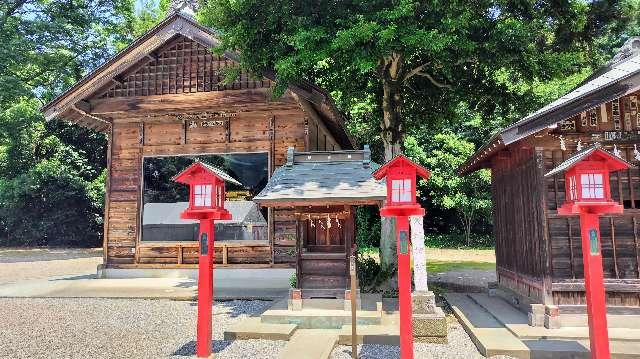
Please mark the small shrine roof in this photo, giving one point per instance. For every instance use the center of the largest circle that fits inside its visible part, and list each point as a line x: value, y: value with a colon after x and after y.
x: 319, y: 178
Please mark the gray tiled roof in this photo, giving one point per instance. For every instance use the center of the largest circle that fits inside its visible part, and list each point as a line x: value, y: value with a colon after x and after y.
x: 609, y: 75
x: 336, y: 177
x: 169, y: 213
x: 618, y: 78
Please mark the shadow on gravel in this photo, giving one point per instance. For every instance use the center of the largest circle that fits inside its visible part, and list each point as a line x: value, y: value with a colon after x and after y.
x: 189, y: 349
x: 239, y: 307
x: 75, y: 277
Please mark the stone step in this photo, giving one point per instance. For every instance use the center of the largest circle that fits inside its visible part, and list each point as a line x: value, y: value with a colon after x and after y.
x: 254, y: 328
x: 371, y: 334
x: 319, y: 318
x: 310, y: 344
x: 487, y: 333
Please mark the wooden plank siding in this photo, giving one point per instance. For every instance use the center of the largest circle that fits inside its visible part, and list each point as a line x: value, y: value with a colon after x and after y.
x: 151, y: 108
x: 519, y: 236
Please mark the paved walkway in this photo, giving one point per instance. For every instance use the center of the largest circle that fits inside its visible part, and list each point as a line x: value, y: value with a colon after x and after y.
x: 466, y: 280
x: 70, y: 273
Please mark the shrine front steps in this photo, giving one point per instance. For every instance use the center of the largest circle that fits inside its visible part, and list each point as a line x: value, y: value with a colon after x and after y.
x: 497, y: 328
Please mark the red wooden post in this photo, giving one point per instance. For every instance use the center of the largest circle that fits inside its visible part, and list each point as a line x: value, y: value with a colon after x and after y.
x: 588, y: 195
x: 594, y: 285
x: 404, y: 287
x: 206, y: 203
x: 400, y: 174
x: 205, y: 289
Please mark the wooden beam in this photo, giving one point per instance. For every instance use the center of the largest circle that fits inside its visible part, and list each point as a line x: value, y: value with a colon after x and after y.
x: 226, y: 100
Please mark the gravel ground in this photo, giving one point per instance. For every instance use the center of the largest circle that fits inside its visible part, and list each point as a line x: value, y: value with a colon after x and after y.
x: 108, y: 328
x: 111, y: 328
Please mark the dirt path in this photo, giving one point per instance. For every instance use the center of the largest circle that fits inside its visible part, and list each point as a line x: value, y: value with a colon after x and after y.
x: 24, y: 264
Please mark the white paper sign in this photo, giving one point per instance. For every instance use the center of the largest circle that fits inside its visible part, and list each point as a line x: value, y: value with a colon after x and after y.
x: 419, y: 255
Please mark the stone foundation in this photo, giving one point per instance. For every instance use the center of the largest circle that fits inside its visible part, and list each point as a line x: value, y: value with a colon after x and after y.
x: 429, y: 321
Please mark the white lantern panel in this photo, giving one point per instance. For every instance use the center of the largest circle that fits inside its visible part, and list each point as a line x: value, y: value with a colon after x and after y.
x: 592, y: 185
x: 202, y: 196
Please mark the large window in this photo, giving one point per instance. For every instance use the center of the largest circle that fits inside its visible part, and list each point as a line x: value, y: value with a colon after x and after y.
x: 164, y: 199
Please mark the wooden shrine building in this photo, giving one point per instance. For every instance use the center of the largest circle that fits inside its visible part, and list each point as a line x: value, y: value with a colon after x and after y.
x: 164, y: 98
x: 538, y: 252
x: 323, y: 188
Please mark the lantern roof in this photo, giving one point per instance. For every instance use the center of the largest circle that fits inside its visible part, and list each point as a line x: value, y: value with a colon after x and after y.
x: 401, y: 161
x: 185, y: 176
x: 595, y: 152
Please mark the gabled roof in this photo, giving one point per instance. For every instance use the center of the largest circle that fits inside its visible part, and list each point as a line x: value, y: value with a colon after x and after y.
x: 70, y: 103
x: 401, y: 160
x: 180, y: 177
x: 319, y: 178
x: 618, y: 78
x: 615, y: 163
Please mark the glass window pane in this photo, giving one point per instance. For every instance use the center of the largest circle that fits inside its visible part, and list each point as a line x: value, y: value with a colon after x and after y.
x: 407, y: 185
x: 197, y: 200
x: 406, y: 196
x: 599, y: 193
x: 395, y: 195
x: 396, y: 184
x: 584, y: 178
x: 198, y: 189
x: 597, y: 179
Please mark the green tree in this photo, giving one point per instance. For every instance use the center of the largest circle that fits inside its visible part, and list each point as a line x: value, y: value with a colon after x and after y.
x: 405, y: 47
x: 469, y: 196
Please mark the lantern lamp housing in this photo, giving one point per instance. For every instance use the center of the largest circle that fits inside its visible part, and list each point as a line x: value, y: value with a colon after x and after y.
x: 586, y: 175
x: 206, y: 191
x: 401, y: 175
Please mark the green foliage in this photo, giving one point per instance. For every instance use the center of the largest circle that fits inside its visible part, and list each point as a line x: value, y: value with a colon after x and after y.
x: 367, y: 227
x: 458, y: 240
x: 293, y: 281
x: 469, y: 196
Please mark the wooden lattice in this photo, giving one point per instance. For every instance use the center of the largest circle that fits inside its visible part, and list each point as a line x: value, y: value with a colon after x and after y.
x: 181, y: 66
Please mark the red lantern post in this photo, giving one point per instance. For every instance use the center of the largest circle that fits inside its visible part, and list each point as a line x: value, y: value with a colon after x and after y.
x: 206, y: 203
x: 401, y: 174
x: 588, y: 195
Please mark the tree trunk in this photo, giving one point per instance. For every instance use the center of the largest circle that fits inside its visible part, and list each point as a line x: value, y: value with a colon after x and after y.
x: 391, y: 73
x: 392, y: 129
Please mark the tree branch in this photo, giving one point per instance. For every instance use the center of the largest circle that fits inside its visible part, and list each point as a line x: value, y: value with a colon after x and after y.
x: 413, y: 72
x: 435, y: 82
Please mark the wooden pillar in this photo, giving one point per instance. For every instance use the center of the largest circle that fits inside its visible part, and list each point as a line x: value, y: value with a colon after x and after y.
x: 543, y: 231
x: 107, y: 195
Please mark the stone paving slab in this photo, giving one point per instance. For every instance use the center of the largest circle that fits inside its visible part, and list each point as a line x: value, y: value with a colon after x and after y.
x: 490, y: 336
x: 310, y: 344
x: 253, y: 328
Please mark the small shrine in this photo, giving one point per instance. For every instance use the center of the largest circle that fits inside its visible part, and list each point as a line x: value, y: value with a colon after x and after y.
x: 323, y: 188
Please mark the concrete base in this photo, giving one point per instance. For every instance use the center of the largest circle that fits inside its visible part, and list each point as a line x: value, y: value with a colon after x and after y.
x: 229, y: 283
x: 132, y: 273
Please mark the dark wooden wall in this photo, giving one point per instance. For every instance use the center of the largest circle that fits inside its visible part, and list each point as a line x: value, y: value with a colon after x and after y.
x: 519, y: 221
x: 530, y: 233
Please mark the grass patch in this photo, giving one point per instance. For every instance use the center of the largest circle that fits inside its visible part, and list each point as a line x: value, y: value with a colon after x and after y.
x: 440, y: 266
